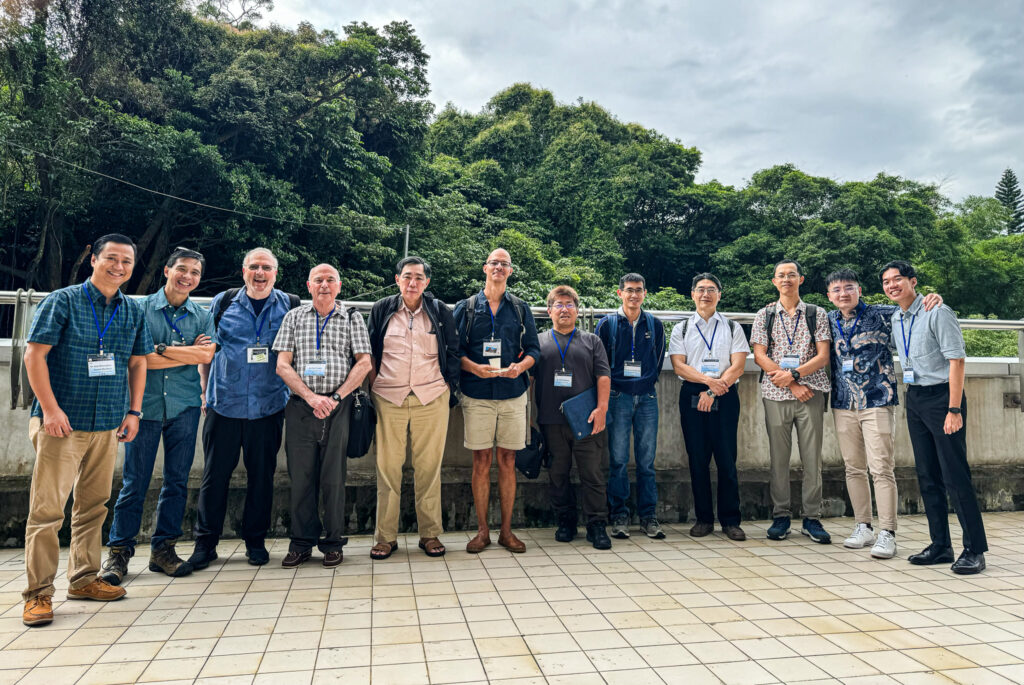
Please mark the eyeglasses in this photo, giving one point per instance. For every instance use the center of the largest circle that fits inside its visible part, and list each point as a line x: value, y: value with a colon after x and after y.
x: 633, y: 291
x: 261, y: 267
x: 494, y: 263
x: 844, y: 289
x: 791, y: 276
x: 705, y: 291
x: 567, y: 306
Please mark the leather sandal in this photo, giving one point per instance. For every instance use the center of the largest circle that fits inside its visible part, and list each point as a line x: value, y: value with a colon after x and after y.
x: 432, y: 547
x: 383, y: 550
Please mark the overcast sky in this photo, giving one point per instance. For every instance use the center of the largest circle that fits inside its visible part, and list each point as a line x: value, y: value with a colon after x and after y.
x: 928, y: 90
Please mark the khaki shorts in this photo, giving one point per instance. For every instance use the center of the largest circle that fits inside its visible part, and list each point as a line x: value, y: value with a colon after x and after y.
x: 494, y: 421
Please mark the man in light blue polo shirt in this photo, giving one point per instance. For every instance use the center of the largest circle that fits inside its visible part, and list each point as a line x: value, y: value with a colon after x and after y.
x: 182, y: 332
x: 932, y: 355
x: 245, y: 401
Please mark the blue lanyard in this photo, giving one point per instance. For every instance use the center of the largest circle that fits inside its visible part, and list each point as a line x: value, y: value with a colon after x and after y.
x: 713, y: 333
x: 796, y: 324
x: 906, y: 337
x: 319, y: 329
x: 172, y: 323
x: 262, y: 319
x: 488, y: 305
x: 853, y: 330
x: 96, y: 319
x: 567, y: 343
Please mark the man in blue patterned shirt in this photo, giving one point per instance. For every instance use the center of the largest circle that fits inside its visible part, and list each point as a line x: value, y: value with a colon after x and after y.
x: 87, y: 367
x: 864, y: 407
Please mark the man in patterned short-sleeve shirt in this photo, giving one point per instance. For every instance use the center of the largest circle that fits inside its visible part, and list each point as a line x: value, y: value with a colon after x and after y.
x: 314, y: 348
x: 793, y: 388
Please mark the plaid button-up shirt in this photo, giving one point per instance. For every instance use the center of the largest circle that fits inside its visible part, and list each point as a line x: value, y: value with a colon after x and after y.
x: 65, y: 321
x: 343, y: 336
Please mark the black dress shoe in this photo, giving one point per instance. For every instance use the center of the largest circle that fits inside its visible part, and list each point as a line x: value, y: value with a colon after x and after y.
x: 932, y: 554
x: 598, y: 536
x: 969, y: 563
x: 293, y: 559
x: 257, y: 556
x: 202, y: 557
x: 566, y: 532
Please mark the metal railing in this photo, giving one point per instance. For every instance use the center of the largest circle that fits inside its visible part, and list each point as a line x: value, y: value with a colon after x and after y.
x: 24, y: 302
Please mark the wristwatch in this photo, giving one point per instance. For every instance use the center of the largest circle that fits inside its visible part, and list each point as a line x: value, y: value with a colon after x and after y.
x: 161, y: 348
x: 336, y: 397
x: 135, y: 413
x: 710, y: 392
x: 795, y: 373
x: 954, y: 410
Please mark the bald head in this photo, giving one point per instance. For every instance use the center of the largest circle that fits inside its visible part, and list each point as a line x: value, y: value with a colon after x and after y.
x: 498, y: 268
x: 324, y: 284
x: 324, y: 268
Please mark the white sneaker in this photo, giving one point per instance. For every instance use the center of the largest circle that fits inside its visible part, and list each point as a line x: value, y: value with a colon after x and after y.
x: 862, y: 536
x: 885, y: 547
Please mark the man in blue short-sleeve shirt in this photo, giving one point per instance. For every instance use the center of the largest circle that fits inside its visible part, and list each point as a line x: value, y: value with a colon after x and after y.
x: 85, y: 359
x: 182, y: 331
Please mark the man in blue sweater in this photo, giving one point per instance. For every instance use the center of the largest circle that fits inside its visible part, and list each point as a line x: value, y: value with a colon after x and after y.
x: 635, y: 342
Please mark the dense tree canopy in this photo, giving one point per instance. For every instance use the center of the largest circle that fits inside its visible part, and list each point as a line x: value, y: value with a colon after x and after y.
x: 324, y: 147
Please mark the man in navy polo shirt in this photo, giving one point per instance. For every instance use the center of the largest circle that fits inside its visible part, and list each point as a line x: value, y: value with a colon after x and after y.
x: 87, y: 367
x: 635, y: 342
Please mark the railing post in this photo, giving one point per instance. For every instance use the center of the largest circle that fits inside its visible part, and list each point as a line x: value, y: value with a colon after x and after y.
x: 1020, y: 364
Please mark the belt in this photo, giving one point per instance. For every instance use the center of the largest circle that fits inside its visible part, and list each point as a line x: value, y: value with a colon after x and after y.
x: 929, y: 389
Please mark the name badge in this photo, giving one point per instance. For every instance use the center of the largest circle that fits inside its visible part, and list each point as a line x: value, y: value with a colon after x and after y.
x: 257, y: 354
x: 908, y: 375
x: 100, y: 365
x: 318, y: 368
x: 790, y: 361
x: 847, y: 365
x: 563, y: 379
x: 631, y: 369
x: 492, y: 348
x: 711, y: 367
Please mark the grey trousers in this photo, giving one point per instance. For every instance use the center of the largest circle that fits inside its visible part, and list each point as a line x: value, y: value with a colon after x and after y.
x: 780, y: 417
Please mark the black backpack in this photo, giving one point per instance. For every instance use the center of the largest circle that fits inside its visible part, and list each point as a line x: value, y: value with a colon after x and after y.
x: 516, y: 302
x: 229, y: 297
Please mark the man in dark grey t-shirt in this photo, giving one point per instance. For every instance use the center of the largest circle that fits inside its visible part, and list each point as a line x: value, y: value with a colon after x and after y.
x: 571, y: 362
x: 932, y: 354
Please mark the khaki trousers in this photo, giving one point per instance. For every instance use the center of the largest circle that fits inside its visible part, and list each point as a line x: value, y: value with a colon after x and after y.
x: 867, y: 440
x: 424, y: 427
x: 81, y: 463
x: 780, y: 418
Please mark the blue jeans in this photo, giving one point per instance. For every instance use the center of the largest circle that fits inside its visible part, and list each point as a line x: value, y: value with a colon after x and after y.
x: 139, y: 457
x: 637, y: 414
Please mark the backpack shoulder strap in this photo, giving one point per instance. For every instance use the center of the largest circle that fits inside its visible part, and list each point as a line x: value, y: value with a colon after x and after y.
x: 293, y: 301
x: 470, y: 313
x: 613, y: 336
x: 769, y: 323
x: 223, y: 305
x: 812, y: 321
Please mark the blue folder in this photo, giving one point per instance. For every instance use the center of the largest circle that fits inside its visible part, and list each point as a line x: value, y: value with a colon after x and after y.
x: 577, y: 410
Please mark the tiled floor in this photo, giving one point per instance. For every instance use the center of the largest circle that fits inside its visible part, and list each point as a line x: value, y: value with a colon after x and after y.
x: 674, y: 611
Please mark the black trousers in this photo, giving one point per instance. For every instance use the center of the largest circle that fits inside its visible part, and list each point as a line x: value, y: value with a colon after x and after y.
x: 707, y: 435
x: 589, y: 454
x: 942, y: 467
x: 258, y: 440
x: 316, y: 466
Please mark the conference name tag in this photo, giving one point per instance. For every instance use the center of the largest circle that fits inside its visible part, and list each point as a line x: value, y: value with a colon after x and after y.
x: 492, y: 348
x: 257, y: 354
x: 318, y: 368
x: 908, y: 375
x: 790, y: 361
x: 631, y: 369
x: 847, y: 365
x: 563, y: 379
x: 100, y: 365
x: 711, y: 367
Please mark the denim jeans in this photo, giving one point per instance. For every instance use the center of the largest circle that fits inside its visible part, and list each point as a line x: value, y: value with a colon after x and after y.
x: 637, y: 414
x: 179, y: 436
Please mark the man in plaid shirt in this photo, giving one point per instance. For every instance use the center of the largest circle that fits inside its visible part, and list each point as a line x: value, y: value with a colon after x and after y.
x: 315, y: 347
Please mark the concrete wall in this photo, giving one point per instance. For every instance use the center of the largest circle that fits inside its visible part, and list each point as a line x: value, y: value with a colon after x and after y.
x: 995, y: 436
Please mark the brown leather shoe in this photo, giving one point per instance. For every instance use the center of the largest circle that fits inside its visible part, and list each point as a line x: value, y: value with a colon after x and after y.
x: 332, y: 559
x: 512, y: 543
x: 734, y: 533
x: 165, y: 560
x: 479, y: 543
x: 38, y: 611
x: 293, y: 559
x: 99, y: 590
x: 701, y: 528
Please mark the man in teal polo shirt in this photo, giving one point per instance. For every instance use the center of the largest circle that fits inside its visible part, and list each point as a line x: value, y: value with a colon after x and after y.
x: 87, y: 367
x: 182, y: 331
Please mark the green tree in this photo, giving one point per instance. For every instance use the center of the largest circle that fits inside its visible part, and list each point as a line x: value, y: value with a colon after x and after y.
x: 1009, y: 195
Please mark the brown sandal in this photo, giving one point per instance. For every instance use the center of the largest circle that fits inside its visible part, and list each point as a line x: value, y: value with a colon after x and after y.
x: 383, y: 550
x: 432, y: 547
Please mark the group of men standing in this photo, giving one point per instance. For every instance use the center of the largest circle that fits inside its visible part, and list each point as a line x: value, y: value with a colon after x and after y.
x: 105, y: 368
